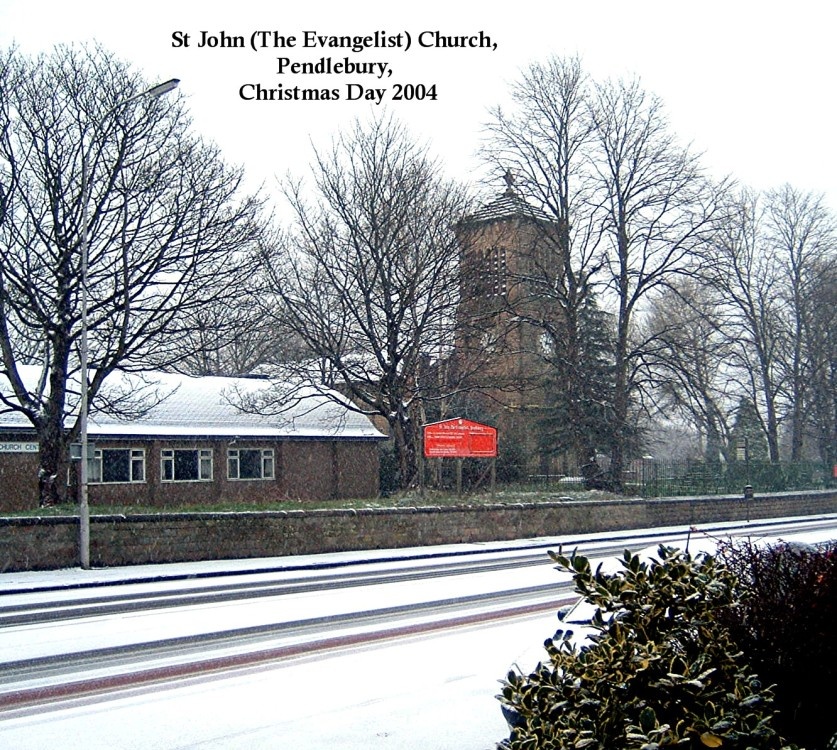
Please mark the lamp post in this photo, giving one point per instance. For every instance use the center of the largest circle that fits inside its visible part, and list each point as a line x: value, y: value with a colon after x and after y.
x: 83, y: 506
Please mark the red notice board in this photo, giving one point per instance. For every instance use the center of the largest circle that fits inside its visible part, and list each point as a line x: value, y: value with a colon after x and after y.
x: 459, y: 438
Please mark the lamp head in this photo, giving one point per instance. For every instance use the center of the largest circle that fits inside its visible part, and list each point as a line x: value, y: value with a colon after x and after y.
x: 162, y: 89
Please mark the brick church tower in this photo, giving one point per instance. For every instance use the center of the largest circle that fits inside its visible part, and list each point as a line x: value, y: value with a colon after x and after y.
x: 508, y: 257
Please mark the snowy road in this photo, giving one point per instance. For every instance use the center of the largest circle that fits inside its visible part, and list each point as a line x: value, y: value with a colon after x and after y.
x: 383, y: 649
x: 423, y: 692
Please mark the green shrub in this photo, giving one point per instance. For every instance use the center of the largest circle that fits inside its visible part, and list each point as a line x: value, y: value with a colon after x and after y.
x: 659, y: 670
x: 388, y: 478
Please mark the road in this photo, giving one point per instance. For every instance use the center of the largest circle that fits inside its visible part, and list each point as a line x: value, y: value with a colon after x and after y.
x: 383, y: 649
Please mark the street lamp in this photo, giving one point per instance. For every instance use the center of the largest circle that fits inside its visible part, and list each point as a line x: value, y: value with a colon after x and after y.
x: 84, y: 508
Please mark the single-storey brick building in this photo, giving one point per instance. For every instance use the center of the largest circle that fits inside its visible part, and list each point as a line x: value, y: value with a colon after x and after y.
x: 207, y: 440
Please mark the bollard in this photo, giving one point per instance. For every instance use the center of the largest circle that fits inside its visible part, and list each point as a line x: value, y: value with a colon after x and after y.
x: 748, y: 496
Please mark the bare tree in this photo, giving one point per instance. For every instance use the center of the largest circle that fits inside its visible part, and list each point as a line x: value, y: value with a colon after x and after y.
x: 749, y: 284
x: 9, y: 74
x: 231, y: 340
x: 765, y: 264
x: 234, y: 337
x: 632, y: 209
x: 168, y: 230
x: 545, y: 142
x: 801, y: 234
x: 821, y: 344
x: 689, y: 362
x: 368, y: 276
x: 632, y: 221
x: 656, y: 209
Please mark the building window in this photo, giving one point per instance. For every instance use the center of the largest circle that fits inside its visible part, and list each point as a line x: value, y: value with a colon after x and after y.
x: 250, y: 463
x: 115, y: 465
x: 178, y: 465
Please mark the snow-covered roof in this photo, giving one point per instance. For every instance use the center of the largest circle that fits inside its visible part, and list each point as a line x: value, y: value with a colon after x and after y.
x: 174, y: 405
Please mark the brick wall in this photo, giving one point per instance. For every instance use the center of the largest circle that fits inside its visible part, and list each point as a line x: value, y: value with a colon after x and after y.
x: 46, y: 543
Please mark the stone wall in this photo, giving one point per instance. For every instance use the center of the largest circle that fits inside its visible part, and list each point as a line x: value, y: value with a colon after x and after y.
x: 47, y: 543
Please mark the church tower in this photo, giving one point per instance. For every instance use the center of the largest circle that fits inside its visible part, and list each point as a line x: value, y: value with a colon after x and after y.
x: 508, y: 258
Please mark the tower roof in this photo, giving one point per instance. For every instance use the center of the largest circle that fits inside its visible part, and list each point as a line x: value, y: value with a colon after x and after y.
x: 507, y: 206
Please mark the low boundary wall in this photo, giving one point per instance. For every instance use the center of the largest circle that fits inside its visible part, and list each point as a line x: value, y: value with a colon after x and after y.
x: 43, y: 543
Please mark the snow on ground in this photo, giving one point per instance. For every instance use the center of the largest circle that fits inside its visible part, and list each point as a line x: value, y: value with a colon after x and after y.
x: 430, y: 692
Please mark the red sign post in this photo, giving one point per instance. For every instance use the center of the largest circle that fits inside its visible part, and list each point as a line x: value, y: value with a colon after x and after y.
x: 459, y: 439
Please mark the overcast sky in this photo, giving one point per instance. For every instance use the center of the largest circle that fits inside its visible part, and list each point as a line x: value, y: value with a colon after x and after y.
x: 750, y: 84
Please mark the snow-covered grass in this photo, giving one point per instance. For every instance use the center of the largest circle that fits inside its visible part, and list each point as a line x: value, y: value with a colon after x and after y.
x: 410, y: 498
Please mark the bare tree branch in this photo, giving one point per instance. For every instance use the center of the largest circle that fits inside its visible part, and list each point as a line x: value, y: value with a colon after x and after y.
x: 169, y: 232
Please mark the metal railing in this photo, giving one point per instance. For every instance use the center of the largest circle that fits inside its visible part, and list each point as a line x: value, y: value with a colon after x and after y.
x: 652, y: 478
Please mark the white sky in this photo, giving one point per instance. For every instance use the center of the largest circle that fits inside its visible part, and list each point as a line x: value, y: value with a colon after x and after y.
x: 748, y: 83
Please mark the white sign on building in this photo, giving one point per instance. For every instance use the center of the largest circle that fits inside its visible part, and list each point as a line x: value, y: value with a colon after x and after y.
x: 18, y: 447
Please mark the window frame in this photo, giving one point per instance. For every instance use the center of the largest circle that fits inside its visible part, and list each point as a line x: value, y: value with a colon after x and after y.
x: 205, y: 462
x: 136, y: 458
x: 266, y: 459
